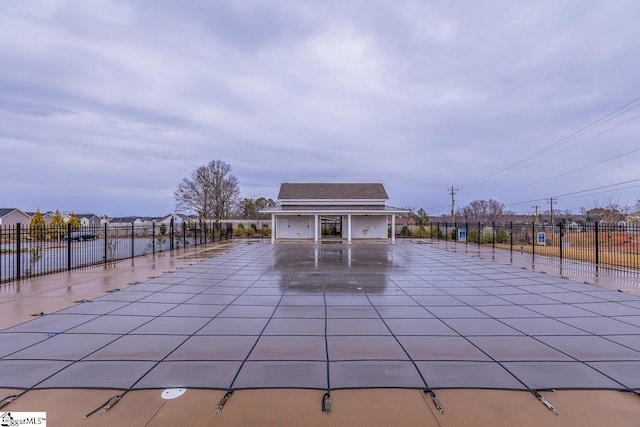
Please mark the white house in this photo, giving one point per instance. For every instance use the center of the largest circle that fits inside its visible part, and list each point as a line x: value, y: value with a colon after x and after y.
x: 89, y: 220
x: 126, y: 221
x: 332, y: 210
x: 178, y: 219
x: 12, y: 216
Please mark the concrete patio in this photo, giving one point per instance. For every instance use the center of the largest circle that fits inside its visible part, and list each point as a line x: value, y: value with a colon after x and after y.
x: 373, y: 324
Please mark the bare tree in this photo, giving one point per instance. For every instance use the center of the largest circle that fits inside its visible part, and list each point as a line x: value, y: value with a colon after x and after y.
x: 483, y: 211
x: 211, y: 192
x: 634, y: 215
x: 608, y: 211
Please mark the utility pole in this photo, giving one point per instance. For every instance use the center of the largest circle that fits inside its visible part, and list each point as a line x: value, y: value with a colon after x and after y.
x: 452, y: 192
x: 551, y: 200
x: 536, y: 207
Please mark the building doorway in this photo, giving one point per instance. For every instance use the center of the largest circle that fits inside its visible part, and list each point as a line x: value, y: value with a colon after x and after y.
x: 331, y: 226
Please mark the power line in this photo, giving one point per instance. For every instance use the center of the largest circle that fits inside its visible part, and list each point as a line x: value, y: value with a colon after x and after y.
x: 599, y: 188
x: 593, y: 125
x: 581, y: 192
x: 603, y: 192
x: 567, y: 173
x: 581, y: 142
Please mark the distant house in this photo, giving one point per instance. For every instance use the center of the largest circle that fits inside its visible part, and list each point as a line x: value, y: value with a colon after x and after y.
x: 573, y: 225
x: 89, y: 220
x: 336, y: 210
x: 178, y: 219
x: 13, y: 216
x: 48, y: 216
x: 125, y: 221
x: 405, y: 220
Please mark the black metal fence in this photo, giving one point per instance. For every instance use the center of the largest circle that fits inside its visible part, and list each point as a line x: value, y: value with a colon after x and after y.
x: 607, y: 245
x: 28, y: 252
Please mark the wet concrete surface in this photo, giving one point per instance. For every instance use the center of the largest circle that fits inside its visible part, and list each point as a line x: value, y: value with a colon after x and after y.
x: 328, y: 317
x: 616, y: 278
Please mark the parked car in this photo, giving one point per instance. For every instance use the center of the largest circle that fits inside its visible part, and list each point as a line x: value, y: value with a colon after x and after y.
x: 82, y: 235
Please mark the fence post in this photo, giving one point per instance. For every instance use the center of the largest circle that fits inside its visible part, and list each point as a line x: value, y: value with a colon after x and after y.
x: 153, y: 237
x: 511, y: 238
x: 184, y: 235
x: 18, y: 251
x: 204, y: 232
x: 132, y: 242
x: 105, y: 245
x: 69, y: 246
x: 561, y: 232
x: 171, y: 235
x: 479, y: 236
x: 466, y: 240
x: 493, y: 235
x: 533, y: 241
x: 597, y: 244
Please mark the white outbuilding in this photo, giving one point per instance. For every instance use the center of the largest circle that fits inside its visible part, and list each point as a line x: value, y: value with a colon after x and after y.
x: 332, y: 211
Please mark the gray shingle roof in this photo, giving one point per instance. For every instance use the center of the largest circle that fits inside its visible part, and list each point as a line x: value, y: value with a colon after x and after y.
x: 332, y: 191
x: 6, y: 211
x: 336, y: 208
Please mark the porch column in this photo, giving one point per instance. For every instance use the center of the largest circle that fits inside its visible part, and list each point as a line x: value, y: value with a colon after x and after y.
x: 393, y: 228
x: 349, y: 228
x: 273, y: 228
x: 315, y: 228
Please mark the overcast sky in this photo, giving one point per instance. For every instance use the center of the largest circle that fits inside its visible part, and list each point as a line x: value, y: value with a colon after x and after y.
x: 105, y: 106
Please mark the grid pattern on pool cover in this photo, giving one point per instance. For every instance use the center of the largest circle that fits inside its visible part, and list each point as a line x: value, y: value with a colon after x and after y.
x: 333, y: 316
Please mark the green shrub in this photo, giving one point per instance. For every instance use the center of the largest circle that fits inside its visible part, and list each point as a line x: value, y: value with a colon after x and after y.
x: 502, y: 236
x: 420, y: 232
x: 472, y: 236
x: 239, y: 231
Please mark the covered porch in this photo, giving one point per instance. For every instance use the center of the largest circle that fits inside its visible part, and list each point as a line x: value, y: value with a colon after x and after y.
x: 333, y: 224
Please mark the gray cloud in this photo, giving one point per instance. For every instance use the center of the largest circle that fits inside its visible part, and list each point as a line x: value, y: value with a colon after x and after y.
x: 107, y: 105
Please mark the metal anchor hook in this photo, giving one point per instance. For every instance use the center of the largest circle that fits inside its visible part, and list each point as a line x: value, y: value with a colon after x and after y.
x: 104, y: 408
x: 439, y: 406
x: 326, y: 404
x: 222, y: 402
x: 110, y: 404
x: 546, y: 403
x: 8, y: 400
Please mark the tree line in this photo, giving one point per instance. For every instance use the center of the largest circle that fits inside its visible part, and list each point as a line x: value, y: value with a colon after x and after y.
x: 38, y: 228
